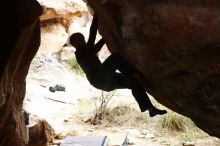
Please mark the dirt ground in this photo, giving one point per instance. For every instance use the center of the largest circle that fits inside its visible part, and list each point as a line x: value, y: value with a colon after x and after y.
x: 138, y: 137
x: 149, y: 134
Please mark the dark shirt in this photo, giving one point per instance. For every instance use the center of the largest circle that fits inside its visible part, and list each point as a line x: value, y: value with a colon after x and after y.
x: 89, y: 62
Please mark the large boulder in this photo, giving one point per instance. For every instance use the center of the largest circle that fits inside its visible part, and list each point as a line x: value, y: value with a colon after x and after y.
x: 40, y: 131
x: 176, y: 45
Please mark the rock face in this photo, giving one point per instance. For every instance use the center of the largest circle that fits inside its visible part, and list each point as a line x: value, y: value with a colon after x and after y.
x: 41, y: 133
x: 18, y: 46
x: 57, y: 20
x: 176, y: 45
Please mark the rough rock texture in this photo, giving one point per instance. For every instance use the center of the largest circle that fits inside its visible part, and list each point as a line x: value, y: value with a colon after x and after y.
x: 176, y: 45
x: 40, y: 132
x: 53, y: 38
x: 20, y: 41
x: 59, y: 19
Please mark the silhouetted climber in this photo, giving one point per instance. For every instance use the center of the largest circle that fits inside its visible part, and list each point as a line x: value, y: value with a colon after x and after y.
x: 103, y: 75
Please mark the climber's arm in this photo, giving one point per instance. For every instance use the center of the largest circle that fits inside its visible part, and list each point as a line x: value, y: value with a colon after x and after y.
x: 98, y: 46
x: 93, y: 31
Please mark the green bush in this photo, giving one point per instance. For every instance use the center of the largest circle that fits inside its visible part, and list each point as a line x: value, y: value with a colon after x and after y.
x: 75, y: 66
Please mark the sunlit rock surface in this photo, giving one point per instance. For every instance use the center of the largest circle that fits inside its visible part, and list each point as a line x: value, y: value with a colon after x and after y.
x: 57, y: 21
x: 176, y: 45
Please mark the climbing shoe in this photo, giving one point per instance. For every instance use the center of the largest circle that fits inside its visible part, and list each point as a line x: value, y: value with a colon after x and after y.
x: 154, y: 111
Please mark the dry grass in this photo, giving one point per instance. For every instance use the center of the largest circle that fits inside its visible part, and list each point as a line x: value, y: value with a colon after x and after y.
x: 175, y: 122
x: 106, y: 115
x: 181, y: 126
x: 122, y: 116
x: 127, y: 116
x: 99, y: 111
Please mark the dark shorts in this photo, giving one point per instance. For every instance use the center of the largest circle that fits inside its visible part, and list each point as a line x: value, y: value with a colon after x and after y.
x: 101, y: 80
x: 110, y: 81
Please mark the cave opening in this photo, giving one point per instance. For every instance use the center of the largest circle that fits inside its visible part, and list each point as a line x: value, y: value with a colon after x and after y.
x: 59, y: 102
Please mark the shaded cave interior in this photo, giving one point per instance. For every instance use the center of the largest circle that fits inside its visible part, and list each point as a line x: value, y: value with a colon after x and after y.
x: 19, y: 47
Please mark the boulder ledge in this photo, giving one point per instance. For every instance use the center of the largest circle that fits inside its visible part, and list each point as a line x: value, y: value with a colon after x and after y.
x: 176, y: 45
